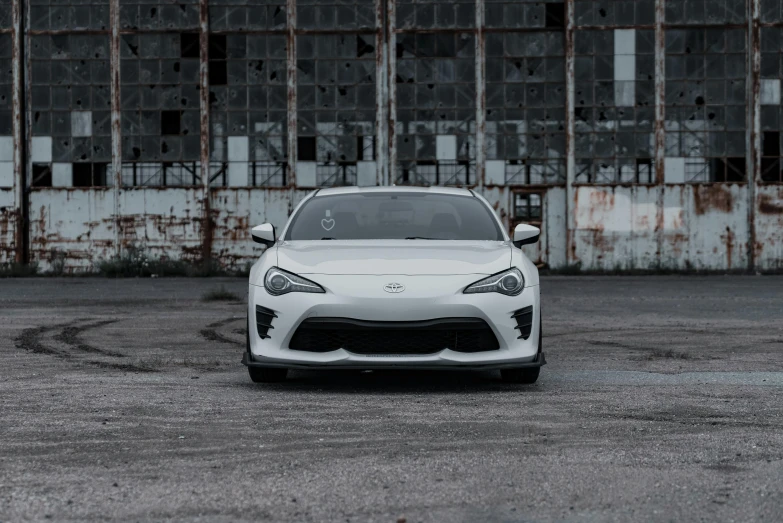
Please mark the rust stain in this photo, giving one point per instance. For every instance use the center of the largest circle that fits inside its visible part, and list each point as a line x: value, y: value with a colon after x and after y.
x: 716, y: 197
x: 728, y: 240
x: 769, y: 206
x: 601, y: 242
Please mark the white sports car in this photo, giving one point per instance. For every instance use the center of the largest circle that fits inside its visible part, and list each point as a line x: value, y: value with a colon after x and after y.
x: 394, y: 278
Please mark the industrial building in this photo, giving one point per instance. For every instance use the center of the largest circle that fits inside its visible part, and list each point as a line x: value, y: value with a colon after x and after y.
x: 638, y: 134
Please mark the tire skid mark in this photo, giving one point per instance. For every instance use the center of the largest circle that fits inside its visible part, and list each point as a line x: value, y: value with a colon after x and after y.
x: 211, y: 333
x: 30, y: 339
x: 69, y: 335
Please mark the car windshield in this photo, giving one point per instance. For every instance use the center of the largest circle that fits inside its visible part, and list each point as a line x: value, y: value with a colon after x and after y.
x: 394, y: 216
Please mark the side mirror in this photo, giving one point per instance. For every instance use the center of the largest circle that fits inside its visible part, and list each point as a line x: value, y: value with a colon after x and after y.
x: 264, y: 234
x: 525, y: 234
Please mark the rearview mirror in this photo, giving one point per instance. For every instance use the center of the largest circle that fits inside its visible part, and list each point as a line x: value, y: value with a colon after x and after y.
x: 264, y: 234
x: 525, y: 234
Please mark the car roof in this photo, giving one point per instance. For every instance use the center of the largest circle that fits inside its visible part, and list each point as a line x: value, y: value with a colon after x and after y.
x: 394, y: 189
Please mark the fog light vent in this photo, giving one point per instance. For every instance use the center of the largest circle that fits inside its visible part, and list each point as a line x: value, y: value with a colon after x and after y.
x: 264, y: 318
x: 524, y: 319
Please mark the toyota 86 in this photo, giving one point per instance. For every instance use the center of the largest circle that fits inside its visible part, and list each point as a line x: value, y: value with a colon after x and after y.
x: 394, y: 278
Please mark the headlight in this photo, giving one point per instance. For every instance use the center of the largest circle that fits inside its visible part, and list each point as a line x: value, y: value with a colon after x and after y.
x: 510, y: 283
x: 277, y: 282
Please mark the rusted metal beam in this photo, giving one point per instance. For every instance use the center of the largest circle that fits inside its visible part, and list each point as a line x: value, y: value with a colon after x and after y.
x: 481, y: 96
x: 116, y: 127
x: 660, y: 125
x: 391, y: 31
x: 203, y: 78
x: 570, y: 205
x: 391, y: 72
x: 20, y: 222
x: 381, y: 96
x: 291, y: 131
x: 27, y: 159
x: 754, y: 123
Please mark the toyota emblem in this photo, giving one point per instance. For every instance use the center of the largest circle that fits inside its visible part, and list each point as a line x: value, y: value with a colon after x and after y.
x: 394, y: 287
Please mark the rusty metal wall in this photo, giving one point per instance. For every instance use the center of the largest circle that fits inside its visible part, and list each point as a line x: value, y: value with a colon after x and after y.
x: 671, y: 159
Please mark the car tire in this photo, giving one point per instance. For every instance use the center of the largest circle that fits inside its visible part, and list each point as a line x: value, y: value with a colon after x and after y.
x: 526, y: 376
x: 267, y: 374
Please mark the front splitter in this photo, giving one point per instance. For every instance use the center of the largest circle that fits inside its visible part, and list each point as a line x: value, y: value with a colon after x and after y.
x: 538, y: 361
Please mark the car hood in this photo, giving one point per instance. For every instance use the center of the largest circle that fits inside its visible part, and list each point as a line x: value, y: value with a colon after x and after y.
x: 423, y: 257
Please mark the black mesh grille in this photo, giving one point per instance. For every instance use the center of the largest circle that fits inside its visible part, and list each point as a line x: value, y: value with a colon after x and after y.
x: 264, y: 318
x: 524, y: 319
x: 369, y: 337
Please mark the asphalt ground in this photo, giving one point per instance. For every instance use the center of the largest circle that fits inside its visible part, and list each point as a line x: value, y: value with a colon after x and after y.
x: 662, y: 400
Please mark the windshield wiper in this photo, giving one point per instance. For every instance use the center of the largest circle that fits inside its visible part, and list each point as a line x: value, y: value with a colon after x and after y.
x: 420, y: 238
x: 328, y: 238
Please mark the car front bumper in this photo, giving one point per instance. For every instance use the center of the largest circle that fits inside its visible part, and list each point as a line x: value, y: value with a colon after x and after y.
x: 425, y: 297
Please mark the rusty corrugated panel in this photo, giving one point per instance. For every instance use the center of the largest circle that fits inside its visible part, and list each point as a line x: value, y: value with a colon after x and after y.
x: 116, y: 127
x: 291, y: 131
x: 660, y: 123
x: 481, y: 95
x: 18, y: 219
x: 571, y: 195
x: 206, y: 206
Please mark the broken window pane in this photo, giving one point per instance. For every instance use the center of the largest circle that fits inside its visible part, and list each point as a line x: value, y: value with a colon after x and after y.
x: 614, y: 106
x: 705, y: 105
x: 614, y: 12
x: 336, y: 102
x: 159, y: 101
x: 5, y: 85
x: 345, y: 15
x: 70, y: 101
x: 706, y: 12
x: 158, y: 15
x: 240, y: 15
x: 771, y: 57
x: 436, y: 108
x: 525, y: 76
x: 436, y: 14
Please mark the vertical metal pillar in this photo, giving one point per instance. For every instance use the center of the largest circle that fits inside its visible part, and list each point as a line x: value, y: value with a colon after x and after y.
x: 754, y: 124
x: 381, y: 97
x: 20, y: 225
x: 291, y: 131
x: 206, y: 194
x: 116, y: 128
x: 660, y: 126
x: 481, y: 96
x: 391, y: 73
x: 570, y: 207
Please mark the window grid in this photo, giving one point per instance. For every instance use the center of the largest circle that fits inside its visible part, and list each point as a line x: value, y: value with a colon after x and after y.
x: 436, y: 97
x: 336, y: 102
x: 706, y: 103
x: 614, y: 107
x: 525, y: 77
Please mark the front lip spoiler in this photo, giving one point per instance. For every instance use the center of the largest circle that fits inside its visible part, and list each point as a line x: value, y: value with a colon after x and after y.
x: 538, y: 361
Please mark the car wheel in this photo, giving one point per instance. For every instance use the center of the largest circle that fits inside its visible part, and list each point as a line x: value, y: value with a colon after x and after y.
x: 526, y: 376
x: 267, y: 374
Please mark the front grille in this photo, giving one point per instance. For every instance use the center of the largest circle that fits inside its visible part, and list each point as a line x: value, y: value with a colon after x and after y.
x: 524, y: 319
x: 413, y: 337
x: 264, y: 318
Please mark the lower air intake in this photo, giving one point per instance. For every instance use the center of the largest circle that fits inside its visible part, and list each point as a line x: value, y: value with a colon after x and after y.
x: 415, y: 337
x: 524, y: 319
x: 264, y: 318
